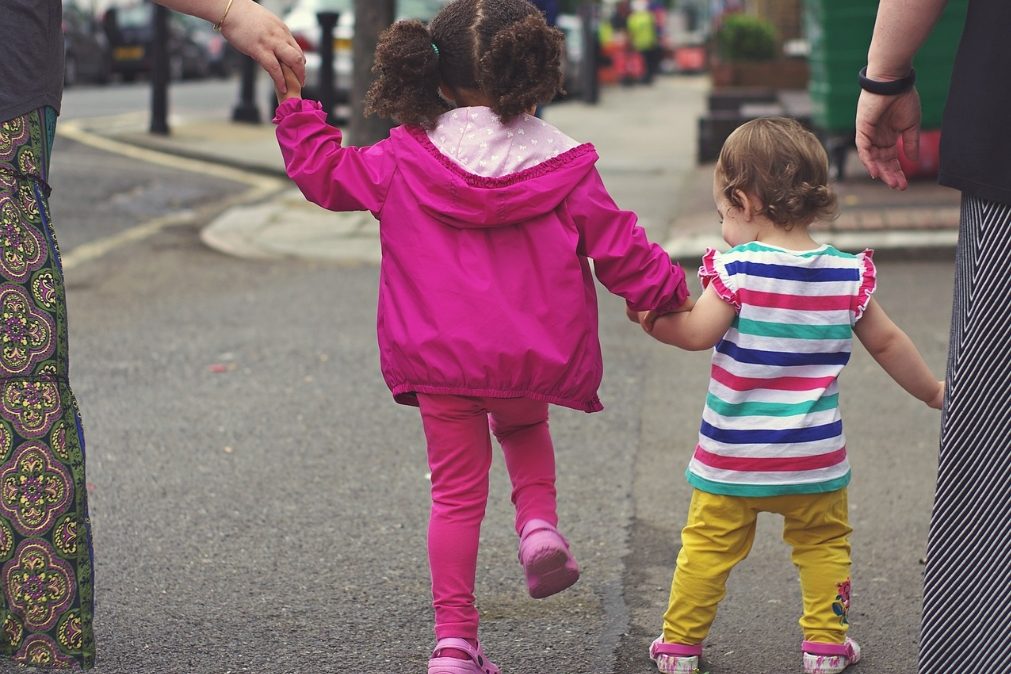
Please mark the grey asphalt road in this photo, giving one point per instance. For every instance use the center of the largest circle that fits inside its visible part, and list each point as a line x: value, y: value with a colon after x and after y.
x: 97, y: 195
x: 259, y: 502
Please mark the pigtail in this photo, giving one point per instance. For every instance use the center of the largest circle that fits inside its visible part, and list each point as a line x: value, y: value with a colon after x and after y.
x: 406, y: 67
x: 522, y: 66
x: 801, y: 202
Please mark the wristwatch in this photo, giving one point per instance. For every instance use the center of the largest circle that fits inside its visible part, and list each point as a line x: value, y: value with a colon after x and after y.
x: 893, y: 88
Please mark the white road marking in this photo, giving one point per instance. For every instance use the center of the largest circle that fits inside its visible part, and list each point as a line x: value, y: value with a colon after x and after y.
x: 260, y: 187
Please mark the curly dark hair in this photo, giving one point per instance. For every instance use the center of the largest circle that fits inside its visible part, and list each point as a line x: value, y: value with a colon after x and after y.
x: 784, y: 165
x: 503, y: 49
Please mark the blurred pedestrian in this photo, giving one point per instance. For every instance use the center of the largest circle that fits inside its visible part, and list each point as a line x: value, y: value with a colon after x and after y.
x: 644, y: 37
x: 781, y: 311
x: 549, y: 8
x: 965, y: 622
x: 47, y: 575
x: 488, y: 220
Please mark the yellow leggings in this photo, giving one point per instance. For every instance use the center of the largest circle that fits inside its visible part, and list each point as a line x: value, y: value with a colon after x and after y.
x: 719, y: 534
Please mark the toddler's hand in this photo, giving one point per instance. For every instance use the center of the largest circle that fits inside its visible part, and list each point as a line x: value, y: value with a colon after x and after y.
x: 938, y: 398
x: 291, y: 81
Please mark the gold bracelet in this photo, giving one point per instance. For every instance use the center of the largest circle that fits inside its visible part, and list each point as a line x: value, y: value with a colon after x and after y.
x: 221, y: 21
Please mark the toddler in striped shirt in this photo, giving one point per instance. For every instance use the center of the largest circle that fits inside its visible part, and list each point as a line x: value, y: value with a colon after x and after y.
x: 781, y: 311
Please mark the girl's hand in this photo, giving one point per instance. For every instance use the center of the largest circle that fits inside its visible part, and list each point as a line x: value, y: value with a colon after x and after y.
x: 647, y: 319
x: 938, y: 398
x: 688, y: 305
x: 293, y: 86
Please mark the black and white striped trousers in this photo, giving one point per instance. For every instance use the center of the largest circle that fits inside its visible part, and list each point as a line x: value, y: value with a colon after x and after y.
x: 966, y: 624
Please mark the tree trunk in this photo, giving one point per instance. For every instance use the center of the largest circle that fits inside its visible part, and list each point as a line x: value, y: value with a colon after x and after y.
x: 371, y: 18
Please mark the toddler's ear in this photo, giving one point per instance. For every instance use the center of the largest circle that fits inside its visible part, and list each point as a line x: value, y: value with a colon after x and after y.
x: 751, y: 205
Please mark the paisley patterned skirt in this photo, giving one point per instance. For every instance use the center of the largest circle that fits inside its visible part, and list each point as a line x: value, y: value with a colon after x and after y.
x: 46, y: 569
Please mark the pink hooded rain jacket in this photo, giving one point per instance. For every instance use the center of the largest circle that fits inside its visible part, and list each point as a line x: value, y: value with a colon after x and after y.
x: 485, y: 284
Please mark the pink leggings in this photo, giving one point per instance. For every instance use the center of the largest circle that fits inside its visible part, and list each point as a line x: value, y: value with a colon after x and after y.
x: 459, y: 454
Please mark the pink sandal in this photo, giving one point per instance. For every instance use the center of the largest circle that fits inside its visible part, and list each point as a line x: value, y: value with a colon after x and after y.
x: 477, y: 664
x: 546, y: 560
x: 823, y: 658
x: 675, y: 658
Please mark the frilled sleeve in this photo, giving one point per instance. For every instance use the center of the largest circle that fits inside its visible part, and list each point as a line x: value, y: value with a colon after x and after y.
x: 337, y: 178
x: 868, y: 284
x: 714, y: 272
x: 624, y: 260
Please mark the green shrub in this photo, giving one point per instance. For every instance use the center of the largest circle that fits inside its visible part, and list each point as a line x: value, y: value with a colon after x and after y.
x: 746, y: 38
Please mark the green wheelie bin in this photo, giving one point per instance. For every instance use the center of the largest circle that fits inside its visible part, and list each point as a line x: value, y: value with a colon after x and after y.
x: 839, y: 34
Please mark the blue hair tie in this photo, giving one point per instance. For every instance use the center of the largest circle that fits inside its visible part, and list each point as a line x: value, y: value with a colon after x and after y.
x: 435, y: 49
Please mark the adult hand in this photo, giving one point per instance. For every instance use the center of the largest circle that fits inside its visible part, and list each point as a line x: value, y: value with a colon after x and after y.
x: 881, y: 121
x: 261, y: 35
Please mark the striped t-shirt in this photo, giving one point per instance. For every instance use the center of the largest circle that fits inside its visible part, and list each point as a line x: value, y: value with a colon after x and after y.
x: 771, y: 423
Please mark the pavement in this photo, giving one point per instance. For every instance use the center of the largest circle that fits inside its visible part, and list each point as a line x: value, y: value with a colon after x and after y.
x: 645, y: 136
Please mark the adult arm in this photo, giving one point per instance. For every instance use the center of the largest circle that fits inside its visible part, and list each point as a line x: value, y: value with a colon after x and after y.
x: 901, y: 27
x: 253, y: 30
x: 897, y: 355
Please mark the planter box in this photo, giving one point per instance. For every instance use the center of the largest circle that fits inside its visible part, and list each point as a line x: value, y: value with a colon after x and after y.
x: 778, y: 74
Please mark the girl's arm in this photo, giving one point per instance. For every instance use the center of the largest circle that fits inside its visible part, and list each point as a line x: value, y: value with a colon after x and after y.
x: 895, y: 352
x: 701, y: 328
x: 624, y: 259
x: 337, y: 178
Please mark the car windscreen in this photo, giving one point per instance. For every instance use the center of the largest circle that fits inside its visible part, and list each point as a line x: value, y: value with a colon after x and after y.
x: 134, y: 17
x: 418, y: 9
x: 329, y: 5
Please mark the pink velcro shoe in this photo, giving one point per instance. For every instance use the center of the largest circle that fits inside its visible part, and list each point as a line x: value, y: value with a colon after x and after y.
x: 476, y: 664
x: 546, y: 560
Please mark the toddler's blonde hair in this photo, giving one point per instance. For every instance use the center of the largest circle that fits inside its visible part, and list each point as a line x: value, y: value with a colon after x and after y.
x: 783, y: 164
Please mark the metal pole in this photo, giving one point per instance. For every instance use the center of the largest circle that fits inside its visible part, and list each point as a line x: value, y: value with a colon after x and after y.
x: 159, y: 72
x: 591, y: 52
x: 245, y: 109
x: 327, y: 81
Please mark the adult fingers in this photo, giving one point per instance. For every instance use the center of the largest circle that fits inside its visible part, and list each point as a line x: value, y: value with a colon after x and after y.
x: 269, y: 62
x: 291, y: 55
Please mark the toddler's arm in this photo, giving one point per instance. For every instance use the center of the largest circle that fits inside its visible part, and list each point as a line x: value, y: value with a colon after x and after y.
x: 897, y: 354
x: 700, y: 328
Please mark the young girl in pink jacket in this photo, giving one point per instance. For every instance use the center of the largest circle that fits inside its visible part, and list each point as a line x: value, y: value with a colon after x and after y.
x: 488, y: 220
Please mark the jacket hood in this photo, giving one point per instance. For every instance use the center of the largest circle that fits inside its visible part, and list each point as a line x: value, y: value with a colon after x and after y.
x: 487, y: 176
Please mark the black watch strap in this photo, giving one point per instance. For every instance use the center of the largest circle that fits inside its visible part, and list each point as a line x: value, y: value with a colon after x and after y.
x: 893, y: 88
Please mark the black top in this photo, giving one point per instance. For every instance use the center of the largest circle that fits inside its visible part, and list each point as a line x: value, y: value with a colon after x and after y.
x: 31, y: 56
x: 976, y: 132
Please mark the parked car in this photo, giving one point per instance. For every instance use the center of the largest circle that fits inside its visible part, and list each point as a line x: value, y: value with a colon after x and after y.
x: 304, y: 26
x: 85, y: 46
x: 130, y: 30
x: 222, y: 58
x: 574, y: 60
